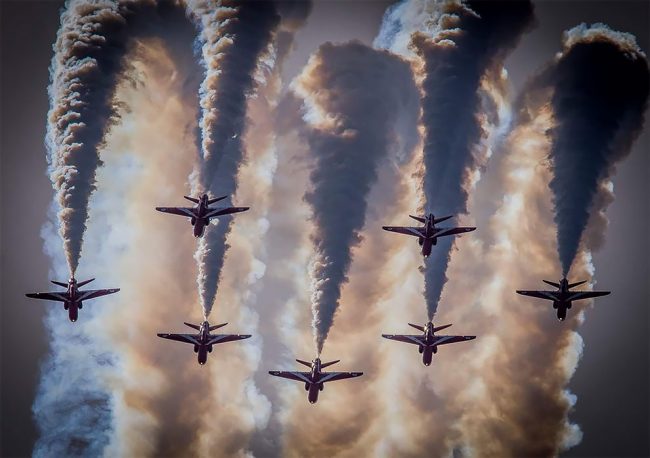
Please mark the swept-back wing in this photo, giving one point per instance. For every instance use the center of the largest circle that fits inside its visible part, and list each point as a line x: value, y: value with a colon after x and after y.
x: 93, y: 293
x: 223, y: 338
x: 587, y: 294
x: 417, y: 340
x: 186, y: 338
x: 453, y: 231
x: 225, y: 211
x: 441, y: 340
x: 334, y: 376
x: 61, y: 297
x: 297, y: 376
x: 415, y: 231
x: 549, y: 295
x: 181, y: 211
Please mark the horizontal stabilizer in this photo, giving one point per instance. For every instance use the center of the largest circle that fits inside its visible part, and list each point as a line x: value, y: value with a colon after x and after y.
x: 217, y: 326
x: 324, y: 365
x: 419, y: 328
x: 192, y: 199
x: 573, y: 285
x: 82, y: 283
x: 557, y: 285
x: 59, y: 283
x: 441, y: 219
x: 418, y: 218
x: 304, y: 362
x: 193, y: 326
x: 440, y: 328
x: 216, y: 199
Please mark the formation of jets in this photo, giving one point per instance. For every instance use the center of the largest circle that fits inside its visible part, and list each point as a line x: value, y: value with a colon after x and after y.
x: 203, y: 340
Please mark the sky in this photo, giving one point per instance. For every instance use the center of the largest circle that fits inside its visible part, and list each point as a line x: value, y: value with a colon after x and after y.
x: 612, y: 378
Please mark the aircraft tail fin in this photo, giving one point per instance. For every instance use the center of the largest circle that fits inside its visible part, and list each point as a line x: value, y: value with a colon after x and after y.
x: 59, y: 283
x: 193, y: 326
x: 418, y: 218
x: 324, y: 365
x: 416, y: 326
x: 441, y: 219
x: 304, y: 362
x: 573, y: 285
x: 216, y: 326
x: 440, y: 328
x: 552, y: 283
x: 82, y: 283
x: 216, y: 199
x: 192, y: 199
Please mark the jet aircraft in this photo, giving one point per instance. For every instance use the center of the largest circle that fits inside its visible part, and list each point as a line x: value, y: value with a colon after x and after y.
x: 428, y: 341
x: 201, y: 214
x: 203, y: 341
x: 428, y: 233
x: 563, y: 297
x: 315, y: 378
x: 72, y: 298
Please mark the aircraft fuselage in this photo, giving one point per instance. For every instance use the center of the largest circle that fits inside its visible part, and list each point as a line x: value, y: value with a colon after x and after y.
x: 429, y: 240
x: 72, y: 305
x: 200, y: 221
x: 314, y: 387
x: 202, y: 349
x: 429, y: 349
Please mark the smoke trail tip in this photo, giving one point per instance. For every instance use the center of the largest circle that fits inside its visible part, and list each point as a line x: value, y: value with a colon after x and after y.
x: 586, y: 33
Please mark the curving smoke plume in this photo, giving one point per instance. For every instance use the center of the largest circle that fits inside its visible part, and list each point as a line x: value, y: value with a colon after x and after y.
x: 473, y: 37
x: 600, y: 83
x: 234, y: 37
x: 353, y: 94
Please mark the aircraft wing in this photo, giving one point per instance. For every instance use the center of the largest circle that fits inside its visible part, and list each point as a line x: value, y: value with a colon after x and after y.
x: 453, y: 231
x: 548, y: 295
x: 415, y: 231
x: 225, y: 211
x: 587, y: 294
x: 61, y: 297
x: 181, y: 211
x: 298, y: 376
x: 417, y: 340
x: 93, y: 293
x: 334, y: 376
x: 186, y: 338
x: 441, y: 340
x: 223, y: 338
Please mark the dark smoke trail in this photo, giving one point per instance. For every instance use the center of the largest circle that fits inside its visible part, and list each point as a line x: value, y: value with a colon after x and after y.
x: 474, y: 37
x: 87, y: 61
x: 234, y: 37
x: 86, y: 67
x: 600, y: 95
x: 354, y: 95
